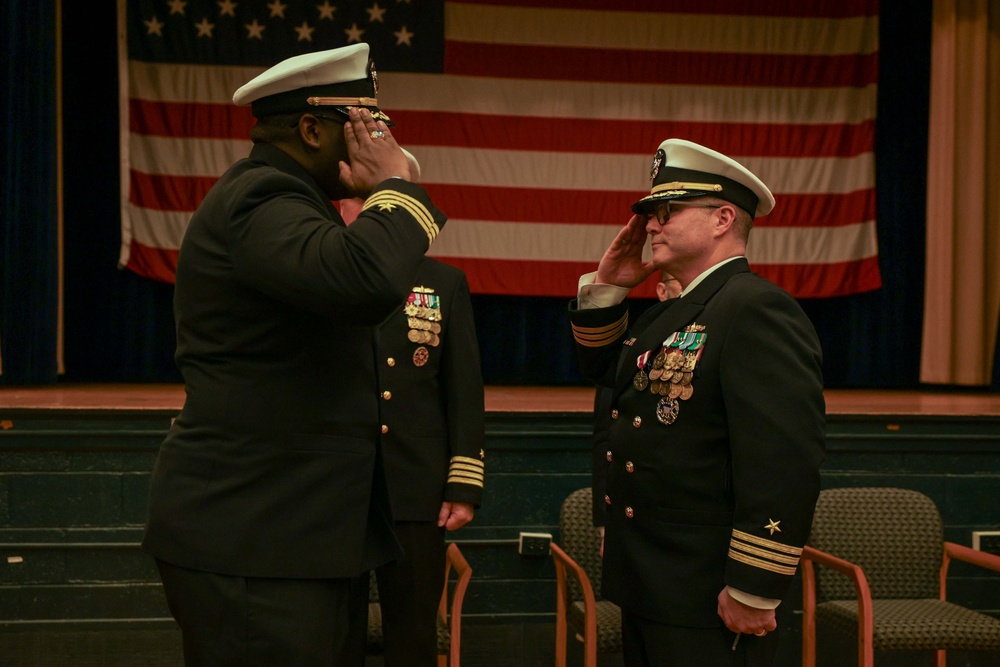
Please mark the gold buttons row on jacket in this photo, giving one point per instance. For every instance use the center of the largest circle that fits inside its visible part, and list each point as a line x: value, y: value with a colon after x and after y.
x: 390, y: 362
x: 629, y: 466
x: 609, y: 457
x: 629, y: 512
x: 636, y: 421
x: 387, y: 395
x: 385, y: 429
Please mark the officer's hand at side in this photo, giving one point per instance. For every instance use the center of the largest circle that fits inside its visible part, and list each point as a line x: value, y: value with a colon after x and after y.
x: 372, y: 160
x: 739, y: 617
x: 455, y: 515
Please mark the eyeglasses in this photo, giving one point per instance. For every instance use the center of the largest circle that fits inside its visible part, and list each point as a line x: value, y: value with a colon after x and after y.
x: 663, y: 211
x: 336, y: 119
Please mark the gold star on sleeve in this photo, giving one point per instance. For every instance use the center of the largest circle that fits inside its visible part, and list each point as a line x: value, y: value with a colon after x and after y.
x: 772, y: 526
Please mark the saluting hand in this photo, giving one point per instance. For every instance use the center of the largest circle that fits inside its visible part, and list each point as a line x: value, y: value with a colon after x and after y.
x: 622, y: 263
x: 372, y: 159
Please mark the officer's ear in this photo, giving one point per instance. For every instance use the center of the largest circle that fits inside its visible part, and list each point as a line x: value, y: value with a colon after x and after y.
x: 724, y: 218
x: 310, y: 131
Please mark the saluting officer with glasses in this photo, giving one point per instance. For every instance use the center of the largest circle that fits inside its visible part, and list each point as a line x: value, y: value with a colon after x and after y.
x: 717, y: 416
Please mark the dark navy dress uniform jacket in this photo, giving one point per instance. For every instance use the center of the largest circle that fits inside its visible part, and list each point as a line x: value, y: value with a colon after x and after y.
x: 723, y: 495
x: 272, y: 468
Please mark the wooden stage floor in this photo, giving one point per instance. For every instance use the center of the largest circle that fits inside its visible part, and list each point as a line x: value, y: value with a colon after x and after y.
x: 501, y: 399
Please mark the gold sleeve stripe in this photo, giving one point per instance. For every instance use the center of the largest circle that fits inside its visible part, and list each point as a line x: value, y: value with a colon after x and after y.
x: 390, y: 198
x: 467, y: 468
x: 414, y: 206
x: 763, y: 565
x: 600, y: 336
x: 467, y: 460
x: 770, y: 544
x: 763, y: 553
x: 459, y: 479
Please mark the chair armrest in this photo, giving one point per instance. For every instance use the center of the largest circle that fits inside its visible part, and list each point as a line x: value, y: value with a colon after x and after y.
x: 967, y: 555
x: 973, y: 556
x: 862, y: 591
x: 564, y: 563
x: 455, y: 560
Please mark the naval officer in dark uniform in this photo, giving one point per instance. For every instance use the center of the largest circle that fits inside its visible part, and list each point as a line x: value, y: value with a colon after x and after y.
x: 717, y: 414
x: 433, y: 419
x: 268, y: 497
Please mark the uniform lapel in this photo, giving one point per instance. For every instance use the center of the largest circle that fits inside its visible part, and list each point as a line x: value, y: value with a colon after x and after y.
x: 664, y: 318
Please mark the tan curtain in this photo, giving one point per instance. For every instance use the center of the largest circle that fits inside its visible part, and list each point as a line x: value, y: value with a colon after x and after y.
x: 962, y: 294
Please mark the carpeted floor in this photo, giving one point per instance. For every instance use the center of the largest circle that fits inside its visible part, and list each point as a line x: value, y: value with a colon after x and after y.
x: 484, y: 644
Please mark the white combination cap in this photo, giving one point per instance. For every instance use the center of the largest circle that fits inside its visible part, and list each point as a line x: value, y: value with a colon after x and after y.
x: 335, y: 80
x: 683, y: 169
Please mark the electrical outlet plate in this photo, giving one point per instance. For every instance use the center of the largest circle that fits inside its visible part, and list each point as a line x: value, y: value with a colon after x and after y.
x: 534, y: 544
x: 987, y: 541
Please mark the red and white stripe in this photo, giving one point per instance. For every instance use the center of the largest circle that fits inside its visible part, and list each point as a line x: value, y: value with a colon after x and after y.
x: 540, y: 134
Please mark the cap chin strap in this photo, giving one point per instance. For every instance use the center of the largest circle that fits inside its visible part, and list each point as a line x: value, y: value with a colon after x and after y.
x: 342, y: 101
x: 678, y: 185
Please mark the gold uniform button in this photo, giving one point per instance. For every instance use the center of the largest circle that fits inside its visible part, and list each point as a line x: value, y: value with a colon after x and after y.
x: 385, y: 429
x: 629, y: 512
x: 387, y: 395
x: 607, y: 500
x: 614, y: 413
x: 609, y: 455
x: 637, y: 421
x: 390, y: 361
x: 629, y: 466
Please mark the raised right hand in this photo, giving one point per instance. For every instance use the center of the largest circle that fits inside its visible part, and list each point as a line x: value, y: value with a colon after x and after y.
x: 622, y: 263
x: 372, y: 160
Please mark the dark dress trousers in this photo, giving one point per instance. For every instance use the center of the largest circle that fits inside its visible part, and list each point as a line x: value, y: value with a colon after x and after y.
x: 432, y: 409
x: 715, y: 486
x: 272, y: 467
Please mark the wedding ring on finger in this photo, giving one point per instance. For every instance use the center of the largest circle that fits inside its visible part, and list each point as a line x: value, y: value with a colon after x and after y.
x: 377, y: 134
x: 760, y: 634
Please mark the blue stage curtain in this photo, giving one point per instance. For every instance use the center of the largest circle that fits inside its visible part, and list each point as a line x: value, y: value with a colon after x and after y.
x: 29, y: 224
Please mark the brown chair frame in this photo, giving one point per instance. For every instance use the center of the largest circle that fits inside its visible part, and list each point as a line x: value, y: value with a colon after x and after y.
x: 866, y: 652
x: 454, y: 560
x: 565, y: 564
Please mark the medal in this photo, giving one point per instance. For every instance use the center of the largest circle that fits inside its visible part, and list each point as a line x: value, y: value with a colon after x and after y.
x: 420, y: 356
x: 640, y: 381
x: 677, y: 358
x: 666, y: 411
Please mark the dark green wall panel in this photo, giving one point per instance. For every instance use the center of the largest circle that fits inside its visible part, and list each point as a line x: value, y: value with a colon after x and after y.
x: 73, y: 488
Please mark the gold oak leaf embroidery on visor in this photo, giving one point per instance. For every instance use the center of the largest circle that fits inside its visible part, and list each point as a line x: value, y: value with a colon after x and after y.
x: 465, y: 470
x: 599, y: 336
x: 764, y: 554
x: 386, y: 199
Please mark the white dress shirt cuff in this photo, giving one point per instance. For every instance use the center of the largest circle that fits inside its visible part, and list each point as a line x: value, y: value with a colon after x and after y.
x: 752, y: 600
x: 598, y: 295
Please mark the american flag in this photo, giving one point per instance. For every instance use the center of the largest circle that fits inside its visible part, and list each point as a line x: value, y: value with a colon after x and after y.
x: 535, y: 121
